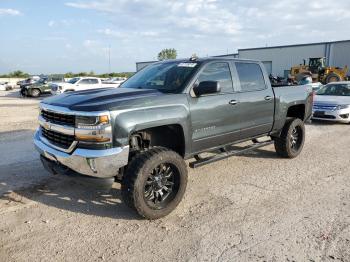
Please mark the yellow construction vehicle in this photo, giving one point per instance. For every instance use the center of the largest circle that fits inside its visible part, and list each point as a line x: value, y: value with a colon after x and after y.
x: 319, y: 72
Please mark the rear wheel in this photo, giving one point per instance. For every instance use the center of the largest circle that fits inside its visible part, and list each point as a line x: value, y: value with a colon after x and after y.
x: 292, y: 138
x: 154, y: 182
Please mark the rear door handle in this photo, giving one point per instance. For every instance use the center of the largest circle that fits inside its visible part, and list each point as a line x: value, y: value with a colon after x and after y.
x: 233, y: 102
x: 268, y: 98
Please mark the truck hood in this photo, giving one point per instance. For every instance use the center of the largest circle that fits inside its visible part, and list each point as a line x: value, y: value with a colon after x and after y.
x: 99, y: 99
x: 332, y: 100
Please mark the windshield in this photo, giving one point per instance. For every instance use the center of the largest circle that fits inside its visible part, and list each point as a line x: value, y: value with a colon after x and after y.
x: 42, y: 81
x: 73, y: 80
x: 167, y: 77
x: 335, y: 90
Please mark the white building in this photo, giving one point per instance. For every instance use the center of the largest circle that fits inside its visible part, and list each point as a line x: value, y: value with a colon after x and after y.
x: 279, y: 59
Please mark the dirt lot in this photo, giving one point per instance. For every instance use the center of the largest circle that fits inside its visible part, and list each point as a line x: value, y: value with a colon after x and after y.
x: 255, y: 207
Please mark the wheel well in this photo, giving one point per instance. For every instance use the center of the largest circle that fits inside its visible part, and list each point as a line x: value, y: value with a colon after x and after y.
x: 297, y: 111
x: 169, y: 136
x: 35, y: 89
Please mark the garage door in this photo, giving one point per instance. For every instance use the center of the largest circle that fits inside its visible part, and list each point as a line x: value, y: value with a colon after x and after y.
x: 268, y: 66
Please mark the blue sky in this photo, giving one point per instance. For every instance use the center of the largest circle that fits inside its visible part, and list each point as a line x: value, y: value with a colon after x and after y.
x: 73, y: 35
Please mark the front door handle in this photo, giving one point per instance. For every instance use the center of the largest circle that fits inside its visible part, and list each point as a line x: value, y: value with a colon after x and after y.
x: 268, y: 98
x: 233, y: 102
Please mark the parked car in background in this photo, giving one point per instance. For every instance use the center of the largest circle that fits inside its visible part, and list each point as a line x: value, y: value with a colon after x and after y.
x: 43, y: 85
x: 316, y: 86
x: 78, y: 84
x: 332, y: 102
x: 28, y: 81
x: 4, y: 86
x: 115, y: 80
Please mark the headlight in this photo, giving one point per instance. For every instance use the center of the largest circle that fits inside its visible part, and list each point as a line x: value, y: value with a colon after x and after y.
x: 91, y: 121
x: 93, y: 129
x: 339, y: 107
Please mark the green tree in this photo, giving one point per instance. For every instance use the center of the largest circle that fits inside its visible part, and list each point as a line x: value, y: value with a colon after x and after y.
x: 168, y: 53
x: 69, y: 75
x: 16, y: 74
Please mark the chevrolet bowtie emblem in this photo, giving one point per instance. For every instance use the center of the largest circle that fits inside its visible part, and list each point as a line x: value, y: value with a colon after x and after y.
x: 47, y: 126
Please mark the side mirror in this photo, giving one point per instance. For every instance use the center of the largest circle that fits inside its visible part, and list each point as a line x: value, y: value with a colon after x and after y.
x: 207, y: 87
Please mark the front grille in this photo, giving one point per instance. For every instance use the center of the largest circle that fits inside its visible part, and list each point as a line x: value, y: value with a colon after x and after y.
x: 324, y: 107
x: 58, y: 139
x: 323, y: 116
x: 57, y: 118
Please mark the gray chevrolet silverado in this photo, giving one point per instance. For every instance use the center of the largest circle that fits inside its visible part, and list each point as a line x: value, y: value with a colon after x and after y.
x: 141, y: 133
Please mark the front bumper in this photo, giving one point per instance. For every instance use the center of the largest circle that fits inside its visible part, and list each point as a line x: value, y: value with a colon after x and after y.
x: 94, y: 163
x: 342, y: 115
x: 57, y: 92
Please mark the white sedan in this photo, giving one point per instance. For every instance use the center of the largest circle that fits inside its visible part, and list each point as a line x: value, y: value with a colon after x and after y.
x: 4, y: 86
x: 332, y: 102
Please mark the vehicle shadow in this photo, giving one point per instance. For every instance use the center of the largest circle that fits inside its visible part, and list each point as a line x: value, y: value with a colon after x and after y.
x: 67, y: 194
x: 324, y: 123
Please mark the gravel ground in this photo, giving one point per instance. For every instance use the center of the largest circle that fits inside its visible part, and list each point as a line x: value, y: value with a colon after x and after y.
x: 256, y: 207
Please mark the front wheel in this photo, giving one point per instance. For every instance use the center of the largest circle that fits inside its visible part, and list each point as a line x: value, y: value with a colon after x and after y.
x: 333, y: 77
x: 35, y: 92
x: 292, y: 138
x: 154, y: 182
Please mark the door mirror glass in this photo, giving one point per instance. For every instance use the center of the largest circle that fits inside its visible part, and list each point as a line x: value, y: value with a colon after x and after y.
x: 207, y: 87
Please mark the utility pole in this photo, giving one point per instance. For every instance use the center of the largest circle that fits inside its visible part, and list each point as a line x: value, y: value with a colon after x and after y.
x: 109, y: 59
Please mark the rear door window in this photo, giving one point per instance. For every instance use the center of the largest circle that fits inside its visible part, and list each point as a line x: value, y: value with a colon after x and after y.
x: 250, y: 76
x: 93, y: 81
x: 84, y: 82
x: 219, y: 72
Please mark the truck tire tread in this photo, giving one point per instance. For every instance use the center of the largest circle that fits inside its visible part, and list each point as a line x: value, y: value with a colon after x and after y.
x: 134, y: 171
x: 282, y: 144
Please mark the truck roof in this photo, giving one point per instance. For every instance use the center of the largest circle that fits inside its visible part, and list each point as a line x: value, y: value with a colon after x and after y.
x: 205, y: 59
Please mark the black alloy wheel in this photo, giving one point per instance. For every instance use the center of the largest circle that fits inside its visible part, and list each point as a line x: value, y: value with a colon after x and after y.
x: 161, y: 185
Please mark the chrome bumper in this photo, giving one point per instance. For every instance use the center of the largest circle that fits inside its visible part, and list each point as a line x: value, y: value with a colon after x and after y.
x: 96, y: 163
x: 333, y: 115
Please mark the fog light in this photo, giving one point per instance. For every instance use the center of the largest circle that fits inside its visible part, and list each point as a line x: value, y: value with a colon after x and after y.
x: 345, y: 116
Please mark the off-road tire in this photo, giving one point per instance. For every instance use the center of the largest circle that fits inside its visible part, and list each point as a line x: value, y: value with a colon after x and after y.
x: 283, y: 143
x: 333, y: 76
x: 136, y: 174
x: 35, y: 92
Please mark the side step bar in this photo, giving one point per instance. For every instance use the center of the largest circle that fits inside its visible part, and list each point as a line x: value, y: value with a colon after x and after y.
x: 226, y: 154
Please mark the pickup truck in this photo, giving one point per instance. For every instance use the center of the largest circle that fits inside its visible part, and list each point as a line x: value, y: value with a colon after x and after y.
x: 141, y: 133
x: 78, y: 84
x: 42, y: 86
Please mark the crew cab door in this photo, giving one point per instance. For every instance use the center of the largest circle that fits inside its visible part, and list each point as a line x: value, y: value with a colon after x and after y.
x: 256, y: 100
x: 214, y: 118
x: 87, y: 83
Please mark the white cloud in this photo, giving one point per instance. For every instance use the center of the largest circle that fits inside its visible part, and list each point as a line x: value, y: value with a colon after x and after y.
x: 111, y: 32
x: 89, y: 43
x: 51, y: 23
x: 206, y: 16
x: 212, y: 27
x: 9, y: 11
